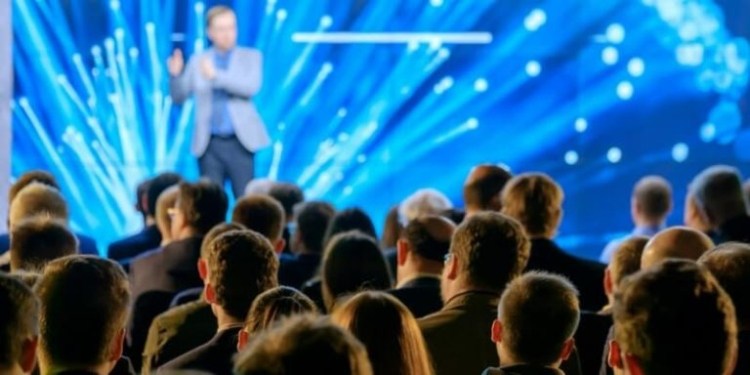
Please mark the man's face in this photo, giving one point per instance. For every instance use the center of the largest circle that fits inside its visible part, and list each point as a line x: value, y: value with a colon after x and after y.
x: 223, y: 31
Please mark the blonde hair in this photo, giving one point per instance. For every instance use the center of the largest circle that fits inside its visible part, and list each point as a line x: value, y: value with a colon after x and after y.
x: 38, y: 199
x: 535, y: 200
x: 167, y: 199
x: 389, y: 331
x: 216, y: 11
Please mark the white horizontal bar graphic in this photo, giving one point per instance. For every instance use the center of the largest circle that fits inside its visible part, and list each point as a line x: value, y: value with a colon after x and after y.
x: 392, y: 38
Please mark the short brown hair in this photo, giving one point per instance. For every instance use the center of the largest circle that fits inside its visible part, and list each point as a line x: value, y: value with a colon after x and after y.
x: 288, y: 195
x: 19, y: 318
x: 539, y: 311
x: 312, y: 220
x: 215, y: 232
x: 38, y: 199
x: 26, y: 179
x: 730, y: 265
x: 653, y: 194
x: 491, y: 248
x: 675, y: 319
x: 535, y: 200
x: 37, y: 241
x: 216, y: 11
x: 484, y: 184
x: 300, y: 344
x: 275, y: 304
x: 626, y: 260
x: 241, y: 265
x: 84, y: 304
x: 203, y: 203
x: 262, y: 214
x: 717, y: 190
x: 164, y: 203
x: 429, y: 236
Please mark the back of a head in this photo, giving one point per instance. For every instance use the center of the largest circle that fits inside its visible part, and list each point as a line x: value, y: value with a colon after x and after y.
x: 391, y: 229
x: 259, y: 186
x: 289, y: 195
x: 276, y: 304
x: 539, y: 312
x: 352, y: 262
x: 626, y: 260
x: 535, y: 200
x: 204, y: 204
x: 215, y: 232
x: 166, y: 200
x: 675, y: 242
x: 26, y: 179
x: 84, y: 304
x: 302, y: 344
x: 429, y: 237
x: 674, y: 318
x: 38, y: 199
x: 156, y: 186
x: 730, y: 265
x: 423, y: 202
x: 653, y: 196
x: 348, y: 220
x: 260, y: 213
x: 19, y: 317
x: 492, y: 249
x: 37, y: 241
x: 717, y: 190
x: 312, y: 220
x: 241, y: 265
x: 483, y: 186
x: 389, y: 332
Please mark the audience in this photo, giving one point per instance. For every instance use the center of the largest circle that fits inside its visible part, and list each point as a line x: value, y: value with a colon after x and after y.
x: 304, y: 345
x: 716, y: 203
x: 311, y: 221
x: 673, y: 318
x: 38, y: 241
x: 348, y: 220
x: 289, y: 195
x: 19, y: 326
x: 650, y: 205
x: 537, y: 317
x: 272, y: 306
x: 423, y: 202
x: 625, y: 261
x: 84, y: 306
x: 241, y: 265
x: 535, y: 200
x: 421, y: 249
x: 676, y: 242
x: 488, y: 251
x: 264, y: 215
x: 483, y: 188
x: 389, y: 332
x: 391, y: 230
x: 730, y: 265
x: 164, y: 204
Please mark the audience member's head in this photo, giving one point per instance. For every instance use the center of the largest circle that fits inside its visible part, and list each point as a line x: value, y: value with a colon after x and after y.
x: 717, y: 195
x: 488, y: 250
x: 352, y: 262
x: 348, y: 220
x: 37, y: 241
x: 626, y: 260
x: 730, y: 265
x: 199, y: 207
x: 423, y: 202
x: 215, y: 232
x: 84, y: 308
x: 303, y: 344
x: 537, y: 317
x: 535, y: 200
x: 164, y: 204
x: 289, y: 195
x: 29, y: 278
x: 391, y: 229
x: 389, y: 332
x: 312, y: 220
x: 19, y: 326
x: 422, y: 246
x: 241, y: 265
x: 675, y: 242
x: 673, y: 318
x: 263, y: 214
x: 272, y: 306
x: 156, y: 186
x: 483, y: 186
x: 37, y: 199
x: 259, y: 186
x: 651, y: 201
x: 30, y: 177
x: 141, y: 199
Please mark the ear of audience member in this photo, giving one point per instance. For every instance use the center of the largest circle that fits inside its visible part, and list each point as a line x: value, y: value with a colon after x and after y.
x: 537, y: 317
x: 352, y: 262
x: 39, y: 240
x: 348, y: 220
x: 302, y: 344
x: 423, y: 202
x: 164, y: 204
x: 626, y: 261
x: 676, y: 242
x: 483, y: 186
x: 717, y: 199
x: 389, y: 332
x: 263, y: 214
x: 673, y: 318
x: 19, y: 326
x: 272, y: 306
x: 84, y: 303
x: 312, y: 219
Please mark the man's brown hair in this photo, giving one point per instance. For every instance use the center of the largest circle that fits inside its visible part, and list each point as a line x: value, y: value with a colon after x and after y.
x: 19, y: 318
x: 262, y: 214
x: 484, y: 184
x: 215, y: 232
x: 38, y: 199
x: 626, y: 260
x: 37, y: 241
x: 203, y: 203
x: 26, y: 179
x: 653, y: 194
x: 730, y: 265
x: 535, y: 200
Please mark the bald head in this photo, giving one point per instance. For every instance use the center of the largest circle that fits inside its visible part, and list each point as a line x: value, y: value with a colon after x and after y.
x: 483, y: 186
x: 677, y: 242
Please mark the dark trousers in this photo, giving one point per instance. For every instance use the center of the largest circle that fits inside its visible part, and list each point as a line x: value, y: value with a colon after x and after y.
x: 225, y: 158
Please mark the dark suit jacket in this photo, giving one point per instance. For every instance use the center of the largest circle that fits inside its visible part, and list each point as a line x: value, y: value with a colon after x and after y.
x: 421, y: 295
x: 214, y: 356
x: 586, y: 275
x: 736, y: 229
x: 147, y: 239
x: 295, y: 270
x: 743, y: 353
x: 313, y: 288
x: 86, y: 244
x: 522, y: 370
x: 171, y: 268
x: 591, y: 337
